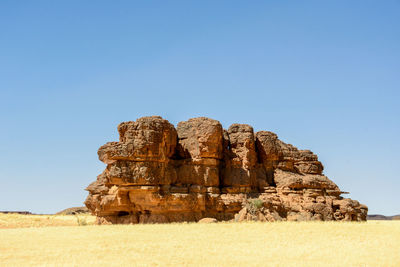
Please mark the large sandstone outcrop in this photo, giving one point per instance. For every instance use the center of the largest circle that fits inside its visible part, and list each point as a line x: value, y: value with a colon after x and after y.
x: 157, y: 173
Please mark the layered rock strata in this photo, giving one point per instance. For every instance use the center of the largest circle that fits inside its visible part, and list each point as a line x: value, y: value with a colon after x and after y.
x: 158, y: 174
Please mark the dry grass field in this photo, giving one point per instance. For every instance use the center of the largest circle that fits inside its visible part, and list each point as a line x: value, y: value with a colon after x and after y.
x: 374, y: 243
x: 20, y: 221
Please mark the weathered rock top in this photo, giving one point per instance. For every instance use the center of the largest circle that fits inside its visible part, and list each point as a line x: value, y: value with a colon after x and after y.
x: 157, y: 173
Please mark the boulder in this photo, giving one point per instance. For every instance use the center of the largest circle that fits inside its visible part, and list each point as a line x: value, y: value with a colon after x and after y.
x: 208, y: 220
x: 274, y: 153
x: 200, y: 138
x: 240, y: 166
x: 146, y: 139
x: 300, y: 181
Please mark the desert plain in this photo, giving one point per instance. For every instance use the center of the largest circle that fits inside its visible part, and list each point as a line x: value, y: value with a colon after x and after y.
x: 74, y: 240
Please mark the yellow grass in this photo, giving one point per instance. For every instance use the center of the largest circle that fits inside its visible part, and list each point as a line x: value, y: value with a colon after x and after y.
x: 18, y: 220
x: 375, y: 243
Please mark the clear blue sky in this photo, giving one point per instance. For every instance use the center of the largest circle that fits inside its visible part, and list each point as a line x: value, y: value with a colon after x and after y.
x: 323, y: 75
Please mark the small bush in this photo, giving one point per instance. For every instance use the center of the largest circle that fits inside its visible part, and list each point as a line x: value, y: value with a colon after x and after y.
x: 253, y: 205
x: 258, y: 203
x: 81, y: 221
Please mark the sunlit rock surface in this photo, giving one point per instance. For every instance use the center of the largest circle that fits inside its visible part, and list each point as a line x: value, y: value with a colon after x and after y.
x: 159, y: 174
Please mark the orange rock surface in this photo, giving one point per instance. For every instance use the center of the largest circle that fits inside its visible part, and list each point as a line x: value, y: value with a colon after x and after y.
x: 159, y: 174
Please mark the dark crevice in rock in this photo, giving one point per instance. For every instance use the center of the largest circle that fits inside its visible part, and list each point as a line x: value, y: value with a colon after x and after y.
x: 122, y: 213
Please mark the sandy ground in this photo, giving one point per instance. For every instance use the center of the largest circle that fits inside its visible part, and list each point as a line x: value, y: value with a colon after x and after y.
x: 374, y: 243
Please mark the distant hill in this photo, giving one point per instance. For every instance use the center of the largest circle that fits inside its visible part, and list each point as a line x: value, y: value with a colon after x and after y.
x: 382, y: 217
x: 73, y: 211
x: 18, y: 212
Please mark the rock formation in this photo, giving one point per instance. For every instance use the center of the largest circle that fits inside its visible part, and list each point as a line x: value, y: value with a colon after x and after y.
x: 157, y: 174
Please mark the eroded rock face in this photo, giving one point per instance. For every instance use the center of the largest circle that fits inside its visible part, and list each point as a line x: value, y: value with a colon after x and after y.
x: 159, y: 174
